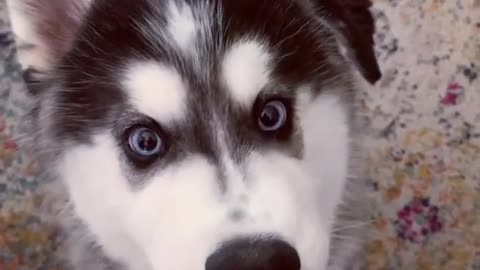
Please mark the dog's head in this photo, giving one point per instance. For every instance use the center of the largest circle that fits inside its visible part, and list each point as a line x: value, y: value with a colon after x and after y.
x: 201, y: 134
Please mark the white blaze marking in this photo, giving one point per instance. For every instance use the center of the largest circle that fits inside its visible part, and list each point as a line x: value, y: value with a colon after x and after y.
x: 156, y: 90
x: 246, y: 70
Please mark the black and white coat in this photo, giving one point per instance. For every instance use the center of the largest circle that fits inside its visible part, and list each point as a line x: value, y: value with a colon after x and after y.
x: 201, y: 134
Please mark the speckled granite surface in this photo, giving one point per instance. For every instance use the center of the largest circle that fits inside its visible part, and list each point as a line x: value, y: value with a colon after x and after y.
x: 423, y: 146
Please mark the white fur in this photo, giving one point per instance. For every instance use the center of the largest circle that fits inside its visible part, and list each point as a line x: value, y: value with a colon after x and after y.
x: 100, y: 195
x: 156, y: 90
x: 326, y: 138
x: 181, y: 26
x: 245, y: 70
x: 181, y: 215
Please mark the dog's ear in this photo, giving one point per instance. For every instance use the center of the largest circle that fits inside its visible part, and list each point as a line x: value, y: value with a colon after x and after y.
x: 45, y: 29
x: 354, y: 27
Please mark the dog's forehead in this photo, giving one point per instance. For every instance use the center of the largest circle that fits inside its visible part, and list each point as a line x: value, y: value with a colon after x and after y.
x: 189, y: 34
x: 168, y: 55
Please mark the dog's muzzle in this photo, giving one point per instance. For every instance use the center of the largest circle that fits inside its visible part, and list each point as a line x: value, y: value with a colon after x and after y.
x: 254, y: 254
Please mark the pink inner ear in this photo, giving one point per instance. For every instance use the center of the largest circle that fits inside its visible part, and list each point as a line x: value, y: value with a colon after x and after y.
x: 56, y: 22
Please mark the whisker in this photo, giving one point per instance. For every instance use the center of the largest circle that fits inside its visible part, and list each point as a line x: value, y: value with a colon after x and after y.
x: 355, y: 225
x: 348, y: 238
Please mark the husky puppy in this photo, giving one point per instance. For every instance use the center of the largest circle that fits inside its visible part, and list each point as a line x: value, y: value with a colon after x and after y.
x: 200, y: 134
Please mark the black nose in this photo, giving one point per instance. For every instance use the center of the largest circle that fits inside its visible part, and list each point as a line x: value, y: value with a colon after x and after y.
x: 254, y: 254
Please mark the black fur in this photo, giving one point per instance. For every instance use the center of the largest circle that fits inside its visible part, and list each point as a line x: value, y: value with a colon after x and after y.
x: 110, y: 36
x: 352, y: 18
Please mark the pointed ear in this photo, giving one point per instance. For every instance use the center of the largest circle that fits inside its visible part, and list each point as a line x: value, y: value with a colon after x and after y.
x: 45, y: 29
x: 354, y: 27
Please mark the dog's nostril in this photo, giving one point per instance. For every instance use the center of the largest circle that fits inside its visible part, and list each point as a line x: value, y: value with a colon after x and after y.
x: 254, y: 254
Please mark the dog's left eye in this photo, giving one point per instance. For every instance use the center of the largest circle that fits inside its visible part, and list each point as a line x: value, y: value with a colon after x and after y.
x: 272, y: 116
x: 145, y: 143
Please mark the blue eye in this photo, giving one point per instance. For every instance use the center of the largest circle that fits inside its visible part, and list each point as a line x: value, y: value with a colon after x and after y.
x: 273, y: 116
x: 145, y: 143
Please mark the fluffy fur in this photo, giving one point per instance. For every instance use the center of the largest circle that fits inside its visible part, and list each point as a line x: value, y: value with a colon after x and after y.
x: 199, y: 71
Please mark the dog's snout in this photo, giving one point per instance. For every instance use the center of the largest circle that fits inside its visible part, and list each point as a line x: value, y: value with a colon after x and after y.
x: 254, y: 254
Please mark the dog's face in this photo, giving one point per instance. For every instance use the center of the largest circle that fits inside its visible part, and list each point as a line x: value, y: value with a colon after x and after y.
x: 199, y: 135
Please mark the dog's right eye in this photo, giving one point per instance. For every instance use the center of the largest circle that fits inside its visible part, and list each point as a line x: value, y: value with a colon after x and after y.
x: 145, y: 144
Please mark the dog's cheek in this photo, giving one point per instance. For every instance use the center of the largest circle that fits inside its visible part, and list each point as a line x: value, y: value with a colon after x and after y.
x: 99, y: 192
x: 325, y: 125
x: 283, y: 200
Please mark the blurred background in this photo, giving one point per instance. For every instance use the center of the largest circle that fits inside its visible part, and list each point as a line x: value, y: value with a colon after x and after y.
x: 423, y: 159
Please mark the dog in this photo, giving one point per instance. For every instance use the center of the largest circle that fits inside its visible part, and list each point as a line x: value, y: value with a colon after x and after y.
x: 201, y: 134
